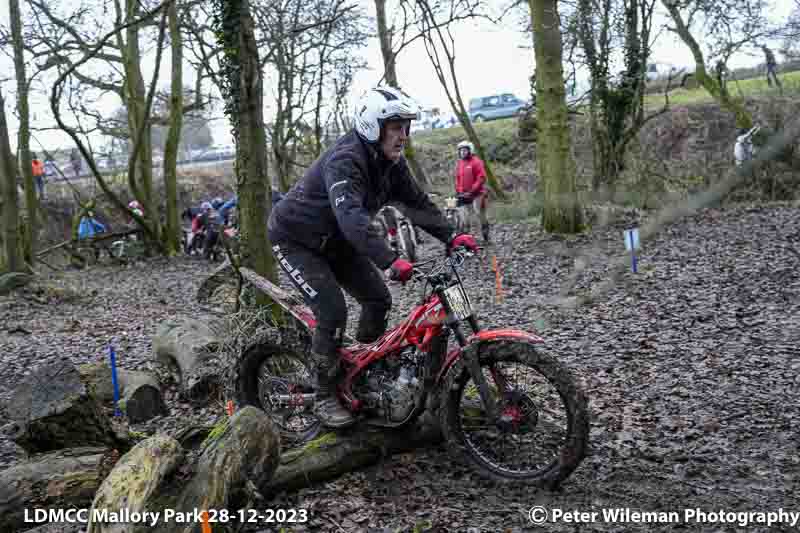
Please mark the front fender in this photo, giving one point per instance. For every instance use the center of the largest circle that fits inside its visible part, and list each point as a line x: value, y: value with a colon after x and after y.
x: 483, y: 337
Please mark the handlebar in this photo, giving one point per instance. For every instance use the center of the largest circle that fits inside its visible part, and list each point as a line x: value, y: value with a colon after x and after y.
x: 454, y: 260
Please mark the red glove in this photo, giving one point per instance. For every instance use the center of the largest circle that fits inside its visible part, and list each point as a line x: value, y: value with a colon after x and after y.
x: 401, y: 270
x: 465, y: 240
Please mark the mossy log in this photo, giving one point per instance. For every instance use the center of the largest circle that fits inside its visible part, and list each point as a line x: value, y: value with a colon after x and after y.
x: 57, y: 480
x: 13, y: 280
x: 223, y: 274
x: 52, y: 409
x: 333, y: 454
x: 188, y: 347
x: 155, y: 476
x: 139, y: 392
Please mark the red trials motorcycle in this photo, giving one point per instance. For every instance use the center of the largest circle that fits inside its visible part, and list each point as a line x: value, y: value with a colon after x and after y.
x: 505, y: 405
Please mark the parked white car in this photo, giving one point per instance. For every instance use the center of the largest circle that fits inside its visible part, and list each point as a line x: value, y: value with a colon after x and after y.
x: 661, y: 71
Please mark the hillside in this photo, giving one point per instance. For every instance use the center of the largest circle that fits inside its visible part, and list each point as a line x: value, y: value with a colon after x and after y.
x: 684, y: 149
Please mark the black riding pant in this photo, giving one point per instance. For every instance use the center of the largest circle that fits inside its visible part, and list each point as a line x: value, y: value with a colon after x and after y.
x: 320, y: 277
x: 212, y: 236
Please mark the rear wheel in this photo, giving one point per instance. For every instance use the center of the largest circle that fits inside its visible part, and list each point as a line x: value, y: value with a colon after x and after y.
x: 273, y: 376
x: 542, y: 433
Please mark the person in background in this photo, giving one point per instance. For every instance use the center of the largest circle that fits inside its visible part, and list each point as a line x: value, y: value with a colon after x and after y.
x: 743, y: 150
x: 225, y: 209
x: 38, y: 174
x: 49, y: 169
x: 76, y: 162
x: 210, y: 222
x: 772, y: 67
x: 89, y: 226
x: 471, y: 185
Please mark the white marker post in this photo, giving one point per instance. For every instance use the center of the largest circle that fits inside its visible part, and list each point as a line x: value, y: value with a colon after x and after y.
x: 631, y: 244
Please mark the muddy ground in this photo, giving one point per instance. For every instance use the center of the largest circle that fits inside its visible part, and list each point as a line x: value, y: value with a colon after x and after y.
x: 691, y: 366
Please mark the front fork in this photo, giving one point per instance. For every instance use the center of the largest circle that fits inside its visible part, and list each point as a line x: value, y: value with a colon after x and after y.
x: 470, y: 358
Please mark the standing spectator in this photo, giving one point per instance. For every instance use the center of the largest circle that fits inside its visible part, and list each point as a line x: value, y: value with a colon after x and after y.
x: 38, y: 174
x: 76, y: 162
x: 722, y: 73
x: 471, y: 186
x: 772, y: 68
x: 744, y: 151
x: 49, y: 169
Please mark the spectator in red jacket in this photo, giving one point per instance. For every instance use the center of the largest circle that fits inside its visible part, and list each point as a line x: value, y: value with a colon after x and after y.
x: 471, y: 185
x: 38, y: 174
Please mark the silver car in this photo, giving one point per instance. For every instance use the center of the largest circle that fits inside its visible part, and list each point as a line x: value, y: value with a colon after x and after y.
x: 495, y: 106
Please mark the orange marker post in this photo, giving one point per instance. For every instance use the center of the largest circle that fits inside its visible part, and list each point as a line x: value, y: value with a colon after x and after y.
x: 229, y: 407
x: 498, y: 280
x: 205, y: 525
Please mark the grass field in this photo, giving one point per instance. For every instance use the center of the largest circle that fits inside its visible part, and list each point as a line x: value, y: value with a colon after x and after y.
x: 749, y: 87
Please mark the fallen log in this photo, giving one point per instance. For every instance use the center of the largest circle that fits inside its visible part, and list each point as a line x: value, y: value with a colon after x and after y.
x: 242, y: 450
x: 188, y: 347
x: 139, y: 393
x: 52, y: 409
x: 223, y: 274
x: 13, y: 280
x: 333, y: 454
x: 56, y: 480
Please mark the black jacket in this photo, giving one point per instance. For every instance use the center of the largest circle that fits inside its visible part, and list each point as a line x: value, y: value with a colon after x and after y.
x: 335, y: 201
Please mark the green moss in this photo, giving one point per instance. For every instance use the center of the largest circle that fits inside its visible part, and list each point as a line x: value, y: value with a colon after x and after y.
x: 216, y: 432
x: 138, y: 435
x: 320, y: 442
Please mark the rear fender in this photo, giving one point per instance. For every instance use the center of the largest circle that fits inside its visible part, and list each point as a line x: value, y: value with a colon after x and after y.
x: 483, y: 337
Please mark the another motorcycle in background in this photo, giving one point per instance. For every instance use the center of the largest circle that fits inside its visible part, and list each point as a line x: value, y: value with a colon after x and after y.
x: 456, y: 214
x: 399, y: 232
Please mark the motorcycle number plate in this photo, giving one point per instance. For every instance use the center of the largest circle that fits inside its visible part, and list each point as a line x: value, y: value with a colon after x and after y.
x: 458, y: 302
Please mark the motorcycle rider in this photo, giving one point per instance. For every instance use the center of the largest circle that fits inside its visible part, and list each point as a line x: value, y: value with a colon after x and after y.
x: 210, y: 224
x: 471, y: 185
x: 323, y: 239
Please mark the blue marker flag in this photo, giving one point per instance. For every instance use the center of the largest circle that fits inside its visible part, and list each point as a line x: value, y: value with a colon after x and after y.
x: 114, y: 381
x: 631, y: 244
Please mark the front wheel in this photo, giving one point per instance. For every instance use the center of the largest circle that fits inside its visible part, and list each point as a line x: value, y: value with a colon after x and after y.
x: 542, y: 432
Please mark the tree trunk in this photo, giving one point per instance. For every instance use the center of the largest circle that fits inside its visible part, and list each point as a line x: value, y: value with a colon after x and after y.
x: 253, y: 174
x: 331, y: 455
x: 717, y: 91
x: 389, y: 64
x: 245, y: 449
x: 137, y: 118
x: 23, y: 136
x: 53, y: 409
x: 172, y: 229
x: 562, y: 211
x: 11, y: 260
x: 62, y: 479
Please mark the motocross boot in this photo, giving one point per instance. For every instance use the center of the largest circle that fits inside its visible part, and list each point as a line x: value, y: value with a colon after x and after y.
x: 327, y: 408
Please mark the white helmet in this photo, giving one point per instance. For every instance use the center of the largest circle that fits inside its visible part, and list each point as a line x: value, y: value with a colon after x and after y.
x: 468, y: 145
x: 380, y: 104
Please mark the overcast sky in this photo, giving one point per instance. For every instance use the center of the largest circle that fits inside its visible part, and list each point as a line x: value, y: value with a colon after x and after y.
x: 489, y: 60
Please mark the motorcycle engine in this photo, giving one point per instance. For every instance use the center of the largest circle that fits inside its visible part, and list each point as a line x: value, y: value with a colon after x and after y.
x: 391, y: 385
